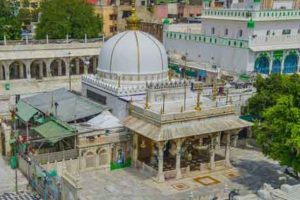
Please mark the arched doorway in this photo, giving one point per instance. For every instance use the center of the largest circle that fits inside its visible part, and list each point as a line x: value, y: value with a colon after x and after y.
x: 290, y: 64
x: 262, y: 64
x: 17, y: 70
x: 76, y: 66
x: 58, y: 67
x: 2, y: 72
x: 103, y: 157
x: 38, y: 69
x: 90, y: 160
x: 276, y: 67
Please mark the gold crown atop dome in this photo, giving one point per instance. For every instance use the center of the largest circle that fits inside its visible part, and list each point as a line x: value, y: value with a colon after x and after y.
x: 133, y: 21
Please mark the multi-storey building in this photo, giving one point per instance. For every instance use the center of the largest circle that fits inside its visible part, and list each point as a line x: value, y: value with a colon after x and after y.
x: 241, y: 39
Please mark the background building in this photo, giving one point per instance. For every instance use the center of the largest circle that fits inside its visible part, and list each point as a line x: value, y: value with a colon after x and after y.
x: 240, y: 40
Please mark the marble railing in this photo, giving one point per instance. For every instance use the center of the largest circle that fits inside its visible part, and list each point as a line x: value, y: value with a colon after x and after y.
x: 215, y: 40
x: 254, y: 14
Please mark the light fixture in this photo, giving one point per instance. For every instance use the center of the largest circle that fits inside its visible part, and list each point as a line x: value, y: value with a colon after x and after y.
x: 143, y: 145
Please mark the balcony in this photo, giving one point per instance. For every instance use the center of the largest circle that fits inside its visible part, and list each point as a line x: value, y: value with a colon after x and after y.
x: 257, y: 15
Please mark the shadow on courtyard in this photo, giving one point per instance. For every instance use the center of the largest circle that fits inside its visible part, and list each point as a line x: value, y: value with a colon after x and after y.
x: 255, y: 173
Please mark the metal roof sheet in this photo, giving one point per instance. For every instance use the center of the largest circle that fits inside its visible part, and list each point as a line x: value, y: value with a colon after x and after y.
x: 54, y: 130
x: 25, y: 111
x: 70, y: 107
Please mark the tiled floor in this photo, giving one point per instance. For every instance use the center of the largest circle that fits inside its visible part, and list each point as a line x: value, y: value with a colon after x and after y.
x: 251, y: 170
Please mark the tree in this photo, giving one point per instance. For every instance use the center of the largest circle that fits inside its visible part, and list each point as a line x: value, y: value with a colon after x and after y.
x: 73, y: 17
x: 10, y: 26
x: 277, y: 106
x: 279, y: 132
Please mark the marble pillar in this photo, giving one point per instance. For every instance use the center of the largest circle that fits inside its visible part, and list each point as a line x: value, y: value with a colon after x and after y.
x: 160, y: 175
x: 67, y: 62
x: 21, y: 70
x: 48, y: 68
x: 41, y: 73
x: 135, y: 149
x: 6, y: 69
x: 178, y: 158
x: 77, y: 66
x: 94, y: 64
x: 227, y: 151
x: 28, y: 70
x: 1, y: 72
x: 212, y: 153
x: 236, y: 137
x: 298, y: 66
x: 271, y: 64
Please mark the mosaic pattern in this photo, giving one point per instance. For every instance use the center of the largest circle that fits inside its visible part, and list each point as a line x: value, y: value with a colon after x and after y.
x: 180, y: 186
x: 232, y: 174
x: 206, y: 180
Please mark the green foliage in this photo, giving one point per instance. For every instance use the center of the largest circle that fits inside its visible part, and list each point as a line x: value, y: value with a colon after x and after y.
x: 72, y: 17
x: 277, y: 103
x: 10, y: 26
x: 25, y: 16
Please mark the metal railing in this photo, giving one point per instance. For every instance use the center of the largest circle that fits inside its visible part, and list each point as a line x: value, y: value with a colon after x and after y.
x: 67, y: 40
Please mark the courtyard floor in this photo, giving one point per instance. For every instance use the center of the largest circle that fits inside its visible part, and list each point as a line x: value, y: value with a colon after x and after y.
x: 250, y: 171
x: 7, y: 178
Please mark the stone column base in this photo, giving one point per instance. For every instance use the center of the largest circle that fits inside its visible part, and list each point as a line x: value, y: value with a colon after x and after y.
x: 178, y: 175
x: 160, y: 177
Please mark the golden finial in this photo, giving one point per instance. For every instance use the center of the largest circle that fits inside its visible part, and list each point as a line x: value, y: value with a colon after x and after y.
x: 215, y: 89
x: 147, y: 106
x: 130, y: 105
x: 119, y: 81
x: 198, y: 103
x: 170, y: 74
x: 133, y: 22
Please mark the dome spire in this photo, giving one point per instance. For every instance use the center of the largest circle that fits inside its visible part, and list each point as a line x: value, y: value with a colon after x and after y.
x: 133, y: 22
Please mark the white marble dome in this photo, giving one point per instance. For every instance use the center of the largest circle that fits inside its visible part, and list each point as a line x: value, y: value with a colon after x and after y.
x: 133, y: 53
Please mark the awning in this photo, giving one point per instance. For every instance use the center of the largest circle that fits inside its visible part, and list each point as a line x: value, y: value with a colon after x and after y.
x: 25, y: 111
x: 183, y: 129
x: 54, y: 130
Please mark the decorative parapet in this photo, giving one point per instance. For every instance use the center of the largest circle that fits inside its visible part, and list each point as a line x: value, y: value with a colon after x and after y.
x: 95, y: 81
x: 168, y: 84
x: 215, y: 40
x: 159, y: 118
x: 257, y: 15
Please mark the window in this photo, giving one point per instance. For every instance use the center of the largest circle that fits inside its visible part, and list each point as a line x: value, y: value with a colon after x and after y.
x: 143, y: 3
x: 240, y: 33
x: 213, y: 30
x: 286, y: 32
x: 126, y: 14
x: 96, y: 97
x: 268, y: 32
x: 112, y: 17
x: 226, y: 31
x: 299, y: 31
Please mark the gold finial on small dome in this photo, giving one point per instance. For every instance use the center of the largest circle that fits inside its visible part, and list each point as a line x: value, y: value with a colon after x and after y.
x: 133, y: 21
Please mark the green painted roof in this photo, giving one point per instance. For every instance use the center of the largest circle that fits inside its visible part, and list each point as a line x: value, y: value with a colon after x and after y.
x: 25, y: 111
x: 54, y: 130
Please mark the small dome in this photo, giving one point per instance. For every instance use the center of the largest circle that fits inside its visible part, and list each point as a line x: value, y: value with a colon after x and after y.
x: 133, y: 53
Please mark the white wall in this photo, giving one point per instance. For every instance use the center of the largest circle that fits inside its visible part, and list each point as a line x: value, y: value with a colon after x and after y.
x: 220, y: 26
x: 118, y: 106
x: 276, y: 26
x: 277, y: 4
x: 228, y: 58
